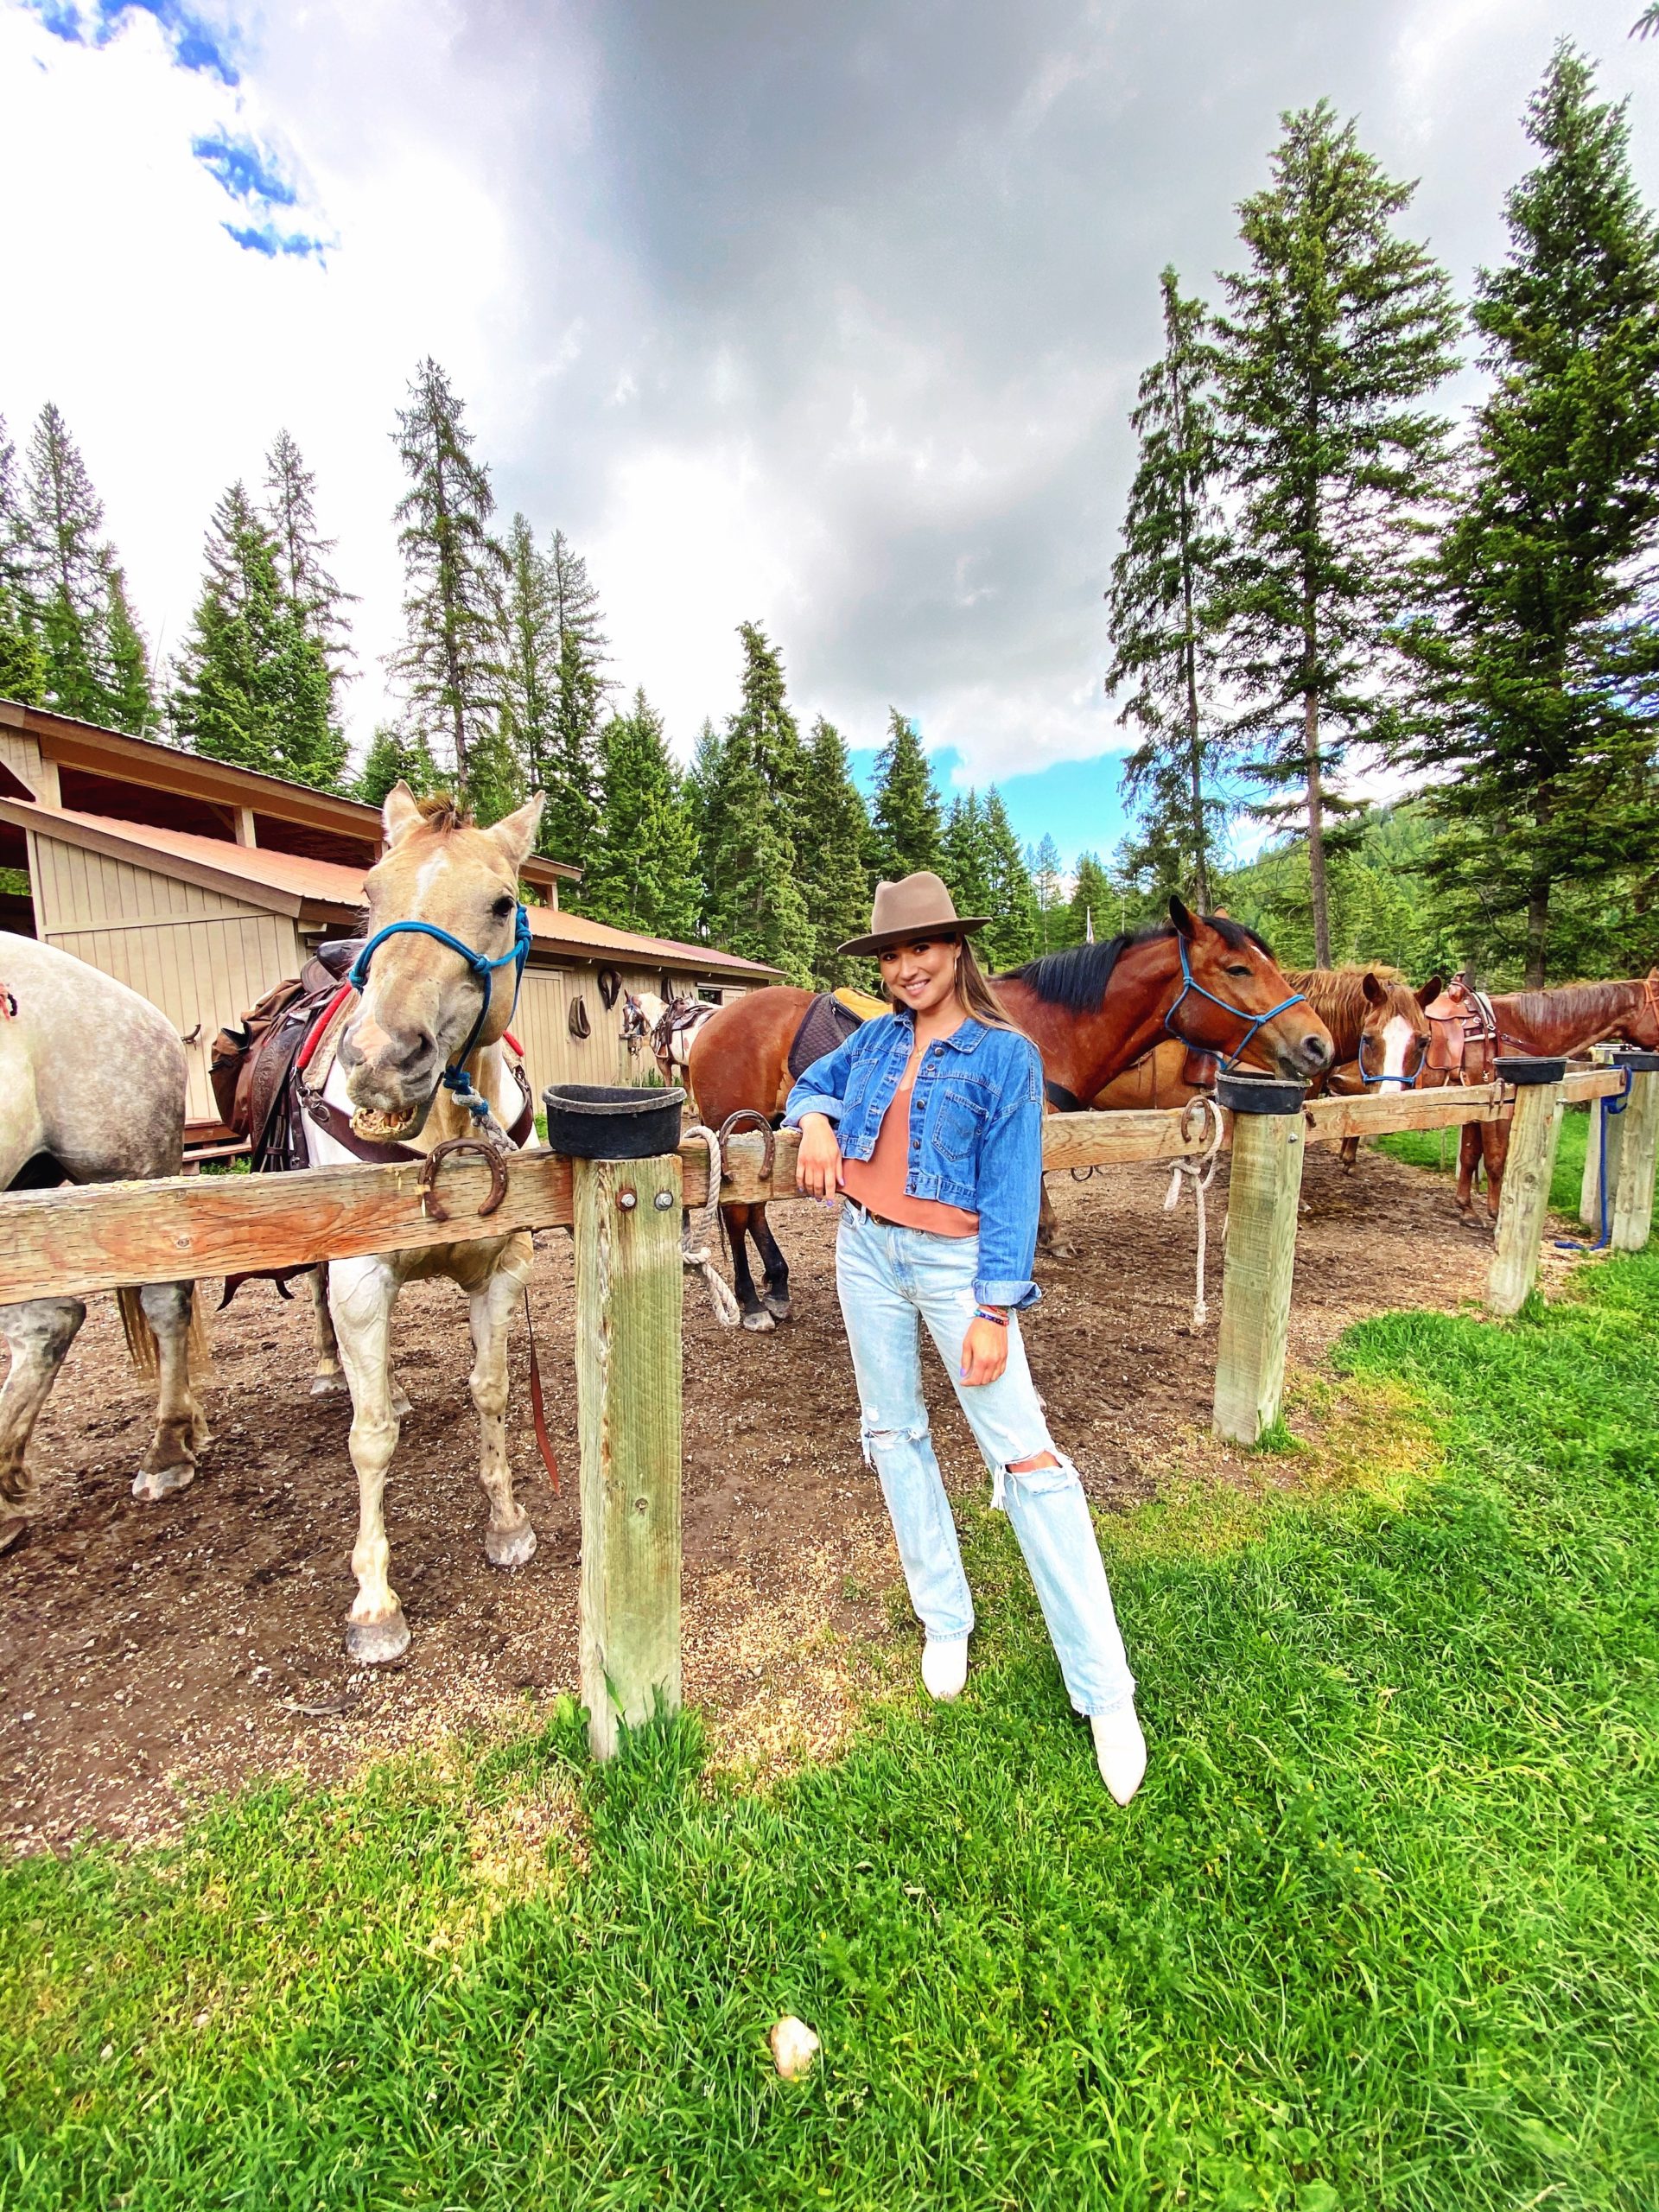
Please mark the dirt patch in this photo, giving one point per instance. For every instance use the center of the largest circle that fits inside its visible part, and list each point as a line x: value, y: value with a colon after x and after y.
x: 151, y: 1653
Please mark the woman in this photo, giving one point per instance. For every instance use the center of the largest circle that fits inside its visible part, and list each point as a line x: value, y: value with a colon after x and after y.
x: 928, y: 1122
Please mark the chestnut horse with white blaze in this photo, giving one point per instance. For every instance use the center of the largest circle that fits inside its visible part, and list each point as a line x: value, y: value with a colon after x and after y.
x: 438, y: 978
x: 1090, y: 1011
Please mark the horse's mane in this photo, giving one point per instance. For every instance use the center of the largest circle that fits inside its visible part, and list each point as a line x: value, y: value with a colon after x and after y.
x: 443, y: 810
x: 1077, y: 978
x: 1600, y: 1002
x: 1339, y: 993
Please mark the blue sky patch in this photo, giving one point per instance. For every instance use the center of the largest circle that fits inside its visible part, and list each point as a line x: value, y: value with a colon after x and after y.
x: 248, y: 171
x: 203, y: 48
x: 266, y: 238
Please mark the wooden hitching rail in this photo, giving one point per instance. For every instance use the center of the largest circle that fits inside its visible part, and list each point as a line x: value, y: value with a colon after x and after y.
x: 625, y: 1218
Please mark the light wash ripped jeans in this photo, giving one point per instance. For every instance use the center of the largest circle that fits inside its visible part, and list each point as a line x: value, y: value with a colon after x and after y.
x: 889, y: 1278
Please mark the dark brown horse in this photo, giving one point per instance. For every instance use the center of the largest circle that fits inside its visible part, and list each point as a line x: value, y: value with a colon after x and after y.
x: 1090, y: 1011
x: 1569, y: 1018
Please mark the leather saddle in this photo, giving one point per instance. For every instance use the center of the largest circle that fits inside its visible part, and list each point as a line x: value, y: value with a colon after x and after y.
x: 1462, y: 1034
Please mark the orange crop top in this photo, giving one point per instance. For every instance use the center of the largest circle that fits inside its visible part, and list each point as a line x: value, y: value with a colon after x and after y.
x: 879, y: 1181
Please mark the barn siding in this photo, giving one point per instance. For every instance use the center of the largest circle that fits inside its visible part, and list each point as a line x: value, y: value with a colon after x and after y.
x: 201, y: 955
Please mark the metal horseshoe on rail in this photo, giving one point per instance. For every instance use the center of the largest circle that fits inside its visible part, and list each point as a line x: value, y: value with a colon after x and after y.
x: 433, y: 1206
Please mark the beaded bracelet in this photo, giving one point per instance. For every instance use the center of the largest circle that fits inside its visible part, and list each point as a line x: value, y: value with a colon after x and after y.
x: 985, y: 1313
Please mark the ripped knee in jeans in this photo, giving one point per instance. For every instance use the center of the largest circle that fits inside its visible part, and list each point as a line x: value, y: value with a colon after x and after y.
x: 1039, y: 1475
x: 873, y: 1439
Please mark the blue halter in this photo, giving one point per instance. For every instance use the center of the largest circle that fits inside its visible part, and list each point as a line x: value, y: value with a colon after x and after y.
x: 1405, y: 1081
x: 482, y: 971
x: 1253, y: 1022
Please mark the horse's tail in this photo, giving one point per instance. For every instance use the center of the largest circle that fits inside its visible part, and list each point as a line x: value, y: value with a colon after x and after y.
x: 141, y: 1348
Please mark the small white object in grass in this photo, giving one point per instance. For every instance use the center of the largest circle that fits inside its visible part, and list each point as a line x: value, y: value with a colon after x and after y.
x: 794, y: 2047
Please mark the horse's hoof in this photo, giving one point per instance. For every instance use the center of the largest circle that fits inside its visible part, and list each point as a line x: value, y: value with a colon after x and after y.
x: 776, y: 1306
x: 150, y: 1484
x: 510, y: 1546
x: 11, y: 1530
x: 323, y: 1385
x: 759, y: 1319
x: 377, y: 1644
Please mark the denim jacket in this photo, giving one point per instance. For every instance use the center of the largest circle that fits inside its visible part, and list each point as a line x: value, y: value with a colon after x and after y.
x: 975, y: 1130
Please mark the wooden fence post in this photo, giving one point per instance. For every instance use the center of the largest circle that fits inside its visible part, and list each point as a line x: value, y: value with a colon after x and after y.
x: 1606, y: 1136
x: 1262, y: 1198
x: 1534, y: 1134
x: 1632, y: 1212
x: 628, y: 1277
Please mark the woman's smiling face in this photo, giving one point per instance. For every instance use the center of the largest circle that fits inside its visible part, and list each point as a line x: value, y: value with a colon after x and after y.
x: 921, y: 975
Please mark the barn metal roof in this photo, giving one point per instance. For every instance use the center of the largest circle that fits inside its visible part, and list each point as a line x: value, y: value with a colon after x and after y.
x: 324, y: 890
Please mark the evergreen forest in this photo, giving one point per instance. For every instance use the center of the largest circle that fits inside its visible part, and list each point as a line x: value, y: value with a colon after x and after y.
x: 1329, y: 582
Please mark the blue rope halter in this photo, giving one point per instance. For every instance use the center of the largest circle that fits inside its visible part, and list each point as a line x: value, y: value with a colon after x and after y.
x: 482, y: 971
x: 1405, y: 1081
x: 1253, y: 1022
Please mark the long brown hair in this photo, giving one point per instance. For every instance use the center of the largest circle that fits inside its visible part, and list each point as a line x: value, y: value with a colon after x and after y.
x: 976, y: 993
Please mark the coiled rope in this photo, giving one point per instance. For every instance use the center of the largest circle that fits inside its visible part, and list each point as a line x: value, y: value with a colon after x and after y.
x: 1199, y: 1169
x: 699, y: 1231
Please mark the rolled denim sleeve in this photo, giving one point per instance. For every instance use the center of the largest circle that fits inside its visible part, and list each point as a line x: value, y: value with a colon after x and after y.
x: 822, y: 1087
x: 1010, y: 1196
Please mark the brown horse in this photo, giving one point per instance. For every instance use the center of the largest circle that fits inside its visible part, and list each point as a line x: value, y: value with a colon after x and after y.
x: 1090, y: 1011
x: 1379, y: 1035
x: 1569, y: 1018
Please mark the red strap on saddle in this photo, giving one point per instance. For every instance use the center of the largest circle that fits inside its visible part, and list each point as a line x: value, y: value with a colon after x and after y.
x: 304, y: 1057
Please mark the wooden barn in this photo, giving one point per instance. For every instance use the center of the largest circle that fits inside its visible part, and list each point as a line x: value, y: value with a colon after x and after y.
x: 201, y: 885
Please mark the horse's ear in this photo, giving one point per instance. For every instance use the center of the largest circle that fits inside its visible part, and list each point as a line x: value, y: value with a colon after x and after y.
x: 400, y: 812
x: 1431, y: 990
x: 1184, y: 925
x: 515, y: 833
x: 1374, y: 990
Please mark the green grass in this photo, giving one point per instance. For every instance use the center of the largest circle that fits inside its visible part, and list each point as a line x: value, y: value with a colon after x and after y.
x: 1438, y: 1149
x: 1380, y: 1931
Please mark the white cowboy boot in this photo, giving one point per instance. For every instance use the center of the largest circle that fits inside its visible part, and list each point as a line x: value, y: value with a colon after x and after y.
x: 1119, y: 1751
x: 944, y: 1668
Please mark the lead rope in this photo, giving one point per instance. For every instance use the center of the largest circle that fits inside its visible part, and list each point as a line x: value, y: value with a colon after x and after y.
x: 696, y: 1241
x: 1199, y: 1169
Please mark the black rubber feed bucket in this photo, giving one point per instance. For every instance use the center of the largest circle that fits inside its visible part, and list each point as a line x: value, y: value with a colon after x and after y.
x: 1259, y: 1094
x: 1525, y: 1071
x: 1637, y: 1061
x: 592, y: 1120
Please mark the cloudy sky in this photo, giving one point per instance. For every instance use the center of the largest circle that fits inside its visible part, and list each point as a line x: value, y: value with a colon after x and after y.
x: 824, y: 316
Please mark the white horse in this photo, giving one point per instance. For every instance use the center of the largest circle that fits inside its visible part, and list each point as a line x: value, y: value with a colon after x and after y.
x: 437, y: 996
x: 92, y: 1091
x: 645, y: 1020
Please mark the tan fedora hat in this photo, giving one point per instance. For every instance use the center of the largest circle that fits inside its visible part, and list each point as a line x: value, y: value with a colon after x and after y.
x: 918, y: 906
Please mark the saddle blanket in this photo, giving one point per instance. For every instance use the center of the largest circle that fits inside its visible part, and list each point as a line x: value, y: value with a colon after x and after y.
x: 826, y: 1023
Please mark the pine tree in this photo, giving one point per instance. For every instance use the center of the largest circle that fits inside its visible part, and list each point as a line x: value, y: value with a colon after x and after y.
x: 1167, y: 594
x: 495, y: 782
x: 756, y: 905
x: 832, y: 830
x: 1015, y: 931
x: 66, y: 568
x: 643, y: 870
x: 906, y: 818
x: 1338, y: 331
x: 568, y: 768
x: 251, y: 685
x: 449, y: 664
x: 964, y: 855
x: 132, y: 696
x: 302, y: 562
x: 1092, y: 903
x: 393, y: 757
x: 702, y: 812
x: 22, y: 670
x: 1546, y: 659
x: 529, y: 653
x: 1048, y: 888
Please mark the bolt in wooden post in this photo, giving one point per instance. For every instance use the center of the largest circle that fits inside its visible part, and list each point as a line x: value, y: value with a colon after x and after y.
x: 1534, y: 1134
x: 1261, y: 1204
x: 1632, y: 1212
x: 628, y: 1276
x: 1613, y: 1126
